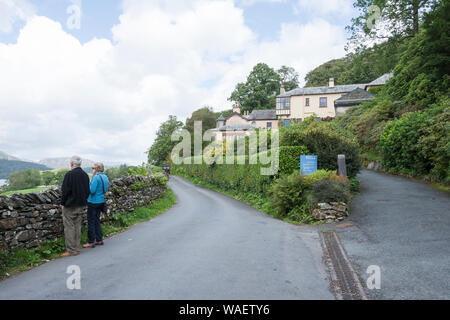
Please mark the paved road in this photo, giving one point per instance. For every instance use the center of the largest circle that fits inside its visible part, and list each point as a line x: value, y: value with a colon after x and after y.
x: 206, y: 247
x: 403, y: 227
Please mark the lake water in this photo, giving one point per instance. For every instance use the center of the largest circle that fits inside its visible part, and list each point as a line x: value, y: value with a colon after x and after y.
x: 2, y: 182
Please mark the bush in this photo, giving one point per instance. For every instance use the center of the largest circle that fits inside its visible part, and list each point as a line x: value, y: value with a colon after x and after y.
x: 327, y: 141
x: 331, y: 190
x: 290, y: 158
x: 289, y: 192
x: 399, y: 144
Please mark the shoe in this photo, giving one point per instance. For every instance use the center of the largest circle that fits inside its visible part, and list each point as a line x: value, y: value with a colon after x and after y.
x: 99, y: 243
x: 89, y: 245
x: 68, y: 254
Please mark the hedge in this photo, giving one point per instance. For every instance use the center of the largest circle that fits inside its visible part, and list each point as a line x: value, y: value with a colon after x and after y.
x: 243, y: 178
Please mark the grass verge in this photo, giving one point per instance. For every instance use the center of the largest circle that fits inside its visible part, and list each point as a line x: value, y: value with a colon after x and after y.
x: 13, y: 263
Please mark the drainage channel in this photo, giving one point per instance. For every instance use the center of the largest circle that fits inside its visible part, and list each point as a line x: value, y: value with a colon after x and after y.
x: 345, y: 282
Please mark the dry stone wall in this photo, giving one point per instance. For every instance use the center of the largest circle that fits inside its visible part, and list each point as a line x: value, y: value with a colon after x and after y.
x: 30, y: 219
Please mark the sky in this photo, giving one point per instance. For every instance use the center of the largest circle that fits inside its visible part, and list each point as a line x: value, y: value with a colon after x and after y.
x: 96, y: 78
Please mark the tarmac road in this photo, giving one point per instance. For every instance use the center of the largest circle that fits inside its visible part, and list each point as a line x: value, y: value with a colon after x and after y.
x: 207, y: 246
x: 403, y: 227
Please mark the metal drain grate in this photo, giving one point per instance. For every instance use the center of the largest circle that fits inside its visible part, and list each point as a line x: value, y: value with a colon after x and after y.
x: 344, y: 279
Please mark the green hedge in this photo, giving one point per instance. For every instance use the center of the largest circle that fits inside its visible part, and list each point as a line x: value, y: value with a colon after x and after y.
x: 327, y: 141
x: 290, y: 158
x: 246, y: 177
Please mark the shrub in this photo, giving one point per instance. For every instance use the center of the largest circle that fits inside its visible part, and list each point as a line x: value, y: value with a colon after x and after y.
x: 399, y: 144
x: 289, y: 192
x: 290, y: 158
x: 331, y: 190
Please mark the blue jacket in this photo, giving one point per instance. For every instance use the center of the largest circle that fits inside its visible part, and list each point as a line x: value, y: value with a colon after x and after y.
x: 97, y: 196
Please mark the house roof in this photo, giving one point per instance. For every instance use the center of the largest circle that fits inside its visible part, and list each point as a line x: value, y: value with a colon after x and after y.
x: 354, y: 97
x: 221, y: 118
x: 262, y: 115
x: 381, y: 81
x: 322, y: 90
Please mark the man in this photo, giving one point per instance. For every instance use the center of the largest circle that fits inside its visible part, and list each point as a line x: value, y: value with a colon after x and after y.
x: 75, y: 191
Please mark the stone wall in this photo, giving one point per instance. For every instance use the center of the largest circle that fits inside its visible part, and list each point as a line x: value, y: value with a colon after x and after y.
x: 30, y: 219
x: 331, y: 212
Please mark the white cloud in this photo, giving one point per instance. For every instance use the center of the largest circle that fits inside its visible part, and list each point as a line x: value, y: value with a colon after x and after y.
x: 105, y: 100
x: 12, y: 11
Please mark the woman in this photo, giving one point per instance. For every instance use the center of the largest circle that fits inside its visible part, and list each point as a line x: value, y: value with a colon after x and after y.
x: 96, y: 202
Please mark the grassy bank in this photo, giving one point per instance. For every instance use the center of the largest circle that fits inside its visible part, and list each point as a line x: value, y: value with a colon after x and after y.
x: 25, y: 259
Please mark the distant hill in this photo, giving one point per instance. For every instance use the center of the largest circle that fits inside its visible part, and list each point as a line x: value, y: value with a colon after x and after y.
x: 7, y: 167
x: 64, y: 163
x: 5, y: 156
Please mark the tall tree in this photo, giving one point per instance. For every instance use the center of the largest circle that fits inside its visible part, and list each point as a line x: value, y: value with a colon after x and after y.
x: 163, y: 145
x: 259, y: 92
x: 288, y: 77
x: 401, y: 18
x: 206, y: 116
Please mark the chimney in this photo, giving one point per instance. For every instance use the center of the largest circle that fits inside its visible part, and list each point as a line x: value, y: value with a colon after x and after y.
x: 331, y: 83
x: 237, y: 107
x: 282, y: 90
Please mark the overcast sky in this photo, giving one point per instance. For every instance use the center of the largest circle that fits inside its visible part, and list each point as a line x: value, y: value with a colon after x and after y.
x: 101, y: 91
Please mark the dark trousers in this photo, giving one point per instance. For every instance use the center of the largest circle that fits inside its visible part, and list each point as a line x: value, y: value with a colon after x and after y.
x: 94, y: 228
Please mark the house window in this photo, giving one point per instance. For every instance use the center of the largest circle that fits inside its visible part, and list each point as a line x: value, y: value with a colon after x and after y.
x: 287, y: 122
x: 284, y: 103
x: 299, y: 120
x: 269, y: 125
x: 307, y: 102
x: 323, y: 102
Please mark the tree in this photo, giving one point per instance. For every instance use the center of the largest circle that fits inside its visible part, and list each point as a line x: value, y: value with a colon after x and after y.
x: 331, y: 69
x: 423, y: 71
x: 48, y: 177
x: 24, y: 179
x: 259, y: 92
x: 289, y: 78
x: 206, y: 116
x: 163, y: 145
x: 59, y: 176
x: 401, y: 18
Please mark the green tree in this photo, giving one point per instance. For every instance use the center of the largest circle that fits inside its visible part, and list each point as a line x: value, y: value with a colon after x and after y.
x: 422, y: 74
x: 259, y: 92
x: 59, y: 176
x: 288, y: 77
x: 48, y: 177
x: 163, y: 145
x: 331, y: 69
x: 402, y: 18
x: 24, y: 179
x: 206, y: 116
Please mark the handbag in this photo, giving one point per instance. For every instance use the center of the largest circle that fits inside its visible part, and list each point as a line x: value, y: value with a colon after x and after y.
x: 104, y: 208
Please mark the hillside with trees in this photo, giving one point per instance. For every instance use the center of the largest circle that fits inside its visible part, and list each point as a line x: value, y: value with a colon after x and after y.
x: 7, y: 167
x: 407, y: 126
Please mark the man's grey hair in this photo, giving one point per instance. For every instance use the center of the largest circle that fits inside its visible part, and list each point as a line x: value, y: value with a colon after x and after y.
x: 76, y: 161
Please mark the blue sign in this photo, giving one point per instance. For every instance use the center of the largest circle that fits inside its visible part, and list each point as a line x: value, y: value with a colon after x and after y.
x: 308, y: 164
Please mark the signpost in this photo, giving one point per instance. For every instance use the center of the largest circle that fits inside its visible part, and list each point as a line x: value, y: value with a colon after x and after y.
x: 308, y: 165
